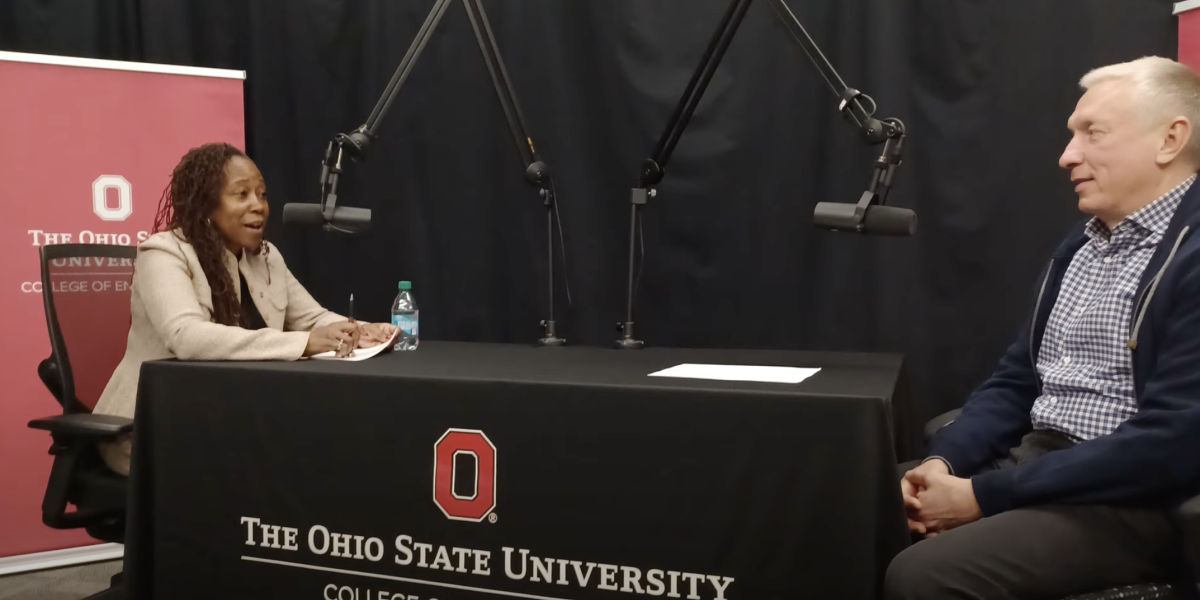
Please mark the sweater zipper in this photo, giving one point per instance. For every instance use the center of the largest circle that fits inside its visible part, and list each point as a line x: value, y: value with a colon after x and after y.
x: 1143, y: 304
x: 1037, y: 307
x: 1132, y: 343
x: 1135, y: 315
x: 1147, y: 294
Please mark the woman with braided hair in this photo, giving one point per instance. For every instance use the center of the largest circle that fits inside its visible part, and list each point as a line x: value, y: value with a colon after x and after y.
x: 207, y: 286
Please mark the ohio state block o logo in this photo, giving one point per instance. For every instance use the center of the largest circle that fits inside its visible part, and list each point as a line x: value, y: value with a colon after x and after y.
x: 474, y: 503
x: 100, y: 205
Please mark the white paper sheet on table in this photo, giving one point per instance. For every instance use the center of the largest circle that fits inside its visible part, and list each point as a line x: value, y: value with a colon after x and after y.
x: 739, y: 373
x: 361, y: 353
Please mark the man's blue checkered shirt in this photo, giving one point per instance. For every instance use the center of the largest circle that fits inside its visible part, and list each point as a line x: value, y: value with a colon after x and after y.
x: 1084, y: 364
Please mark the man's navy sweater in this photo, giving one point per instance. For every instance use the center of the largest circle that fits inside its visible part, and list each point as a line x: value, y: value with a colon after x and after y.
x: 1153, y: 458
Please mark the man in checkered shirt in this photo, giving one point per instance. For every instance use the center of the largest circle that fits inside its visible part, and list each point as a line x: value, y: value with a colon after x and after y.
x: 1060, y: 474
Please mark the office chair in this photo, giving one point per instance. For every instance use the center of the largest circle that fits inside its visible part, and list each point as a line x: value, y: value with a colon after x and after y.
x: 1187, y: 517
x: 86, y: 293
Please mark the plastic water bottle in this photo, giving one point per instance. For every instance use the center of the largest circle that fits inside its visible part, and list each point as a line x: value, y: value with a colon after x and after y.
x: 404, y: 317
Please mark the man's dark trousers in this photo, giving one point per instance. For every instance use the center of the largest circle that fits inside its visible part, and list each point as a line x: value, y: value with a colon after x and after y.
x: 1046, y: 552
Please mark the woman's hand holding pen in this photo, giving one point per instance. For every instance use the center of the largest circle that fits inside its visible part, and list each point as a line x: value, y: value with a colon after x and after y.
x: 342, y: 338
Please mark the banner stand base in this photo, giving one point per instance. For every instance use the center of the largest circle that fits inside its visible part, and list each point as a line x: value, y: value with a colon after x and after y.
x: 60, y: 558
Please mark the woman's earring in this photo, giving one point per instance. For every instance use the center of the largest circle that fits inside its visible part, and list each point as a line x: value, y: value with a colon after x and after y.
x: 266, y: 250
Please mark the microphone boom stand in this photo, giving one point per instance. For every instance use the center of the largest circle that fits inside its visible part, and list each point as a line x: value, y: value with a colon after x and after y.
x: 873, y: 131
x: 537, y: 172
x: 890, y: 132
x: 356, y: 142
x: 655, y: 167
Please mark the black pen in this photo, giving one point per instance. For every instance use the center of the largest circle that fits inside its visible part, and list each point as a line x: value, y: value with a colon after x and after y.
x: 351, y: 316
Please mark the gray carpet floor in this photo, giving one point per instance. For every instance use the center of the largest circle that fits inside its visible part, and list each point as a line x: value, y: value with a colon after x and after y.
x: 68, y: 583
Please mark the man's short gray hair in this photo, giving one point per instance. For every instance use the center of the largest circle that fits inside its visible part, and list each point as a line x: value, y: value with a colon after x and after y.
x: 1165, y: 88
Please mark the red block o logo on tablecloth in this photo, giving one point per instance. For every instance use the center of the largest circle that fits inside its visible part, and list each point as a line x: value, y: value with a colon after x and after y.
x: 474, y: 503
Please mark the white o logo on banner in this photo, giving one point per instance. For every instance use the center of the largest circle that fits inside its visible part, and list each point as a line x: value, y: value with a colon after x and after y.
x: 100, y: 198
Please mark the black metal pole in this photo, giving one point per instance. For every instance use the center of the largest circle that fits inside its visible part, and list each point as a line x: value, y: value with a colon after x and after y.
x: 549, y: 326
x: 653, y: 168
x: 355, y: 142
x: 628, y: 340
x: 699, y: 84
x: 794, y: 27
x: 851, y: 106
x: 406, y: 65
x: 537, y: 172
x: 482, y: 28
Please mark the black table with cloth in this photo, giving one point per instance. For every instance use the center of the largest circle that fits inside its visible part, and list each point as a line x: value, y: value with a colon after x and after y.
x: 606, y: 483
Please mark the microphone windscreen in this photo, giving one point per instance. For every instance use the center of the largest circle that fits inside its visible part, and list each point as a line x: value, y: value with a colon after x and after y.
x: 297, y: 213
x: 890, y: 220
x: 346, y: 219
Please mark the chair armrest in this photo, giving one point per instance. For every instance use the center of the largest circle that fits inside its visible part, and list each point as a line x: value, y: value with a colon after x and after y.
x: 84, y: 425
x: 75, y: 438
x: 939, y: 422
x: 1187, y: 515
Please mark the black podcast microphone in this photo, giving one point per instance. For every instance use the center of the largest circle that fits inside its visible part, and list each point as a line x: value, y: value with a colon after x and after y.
x: 343, y: 219
x: 873, y: 219
x: 327, y: 214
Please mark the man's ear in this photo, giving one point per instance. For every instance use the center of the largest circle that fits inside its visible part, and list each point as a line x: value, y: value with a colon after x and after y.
x: 1175, y: 140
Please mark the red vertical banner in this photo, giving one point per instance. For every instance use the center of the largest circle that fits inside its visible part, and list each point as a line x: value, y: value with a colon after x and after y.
x: 1189, y: 33
x: 86, y: 148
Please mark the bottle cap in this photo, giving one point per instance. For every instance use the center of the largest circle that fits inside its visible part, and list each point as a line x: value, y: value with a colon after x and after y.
x: 406, y: 285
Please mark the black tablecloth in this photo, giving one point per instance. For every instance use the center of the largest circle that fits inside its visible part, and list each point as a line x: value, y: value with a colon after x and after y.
x: 603, y: 482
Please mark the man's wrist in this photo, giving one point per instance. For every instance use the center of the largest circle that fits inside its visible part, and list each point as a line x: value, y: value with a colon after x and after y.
x: 973, y: 502
x: 949, y: 467
x: 993, y: 491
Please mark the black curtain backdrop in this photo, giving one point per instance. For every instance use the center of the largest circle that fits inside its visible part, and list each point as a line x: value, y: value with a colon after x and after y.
x: 732, y: 259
